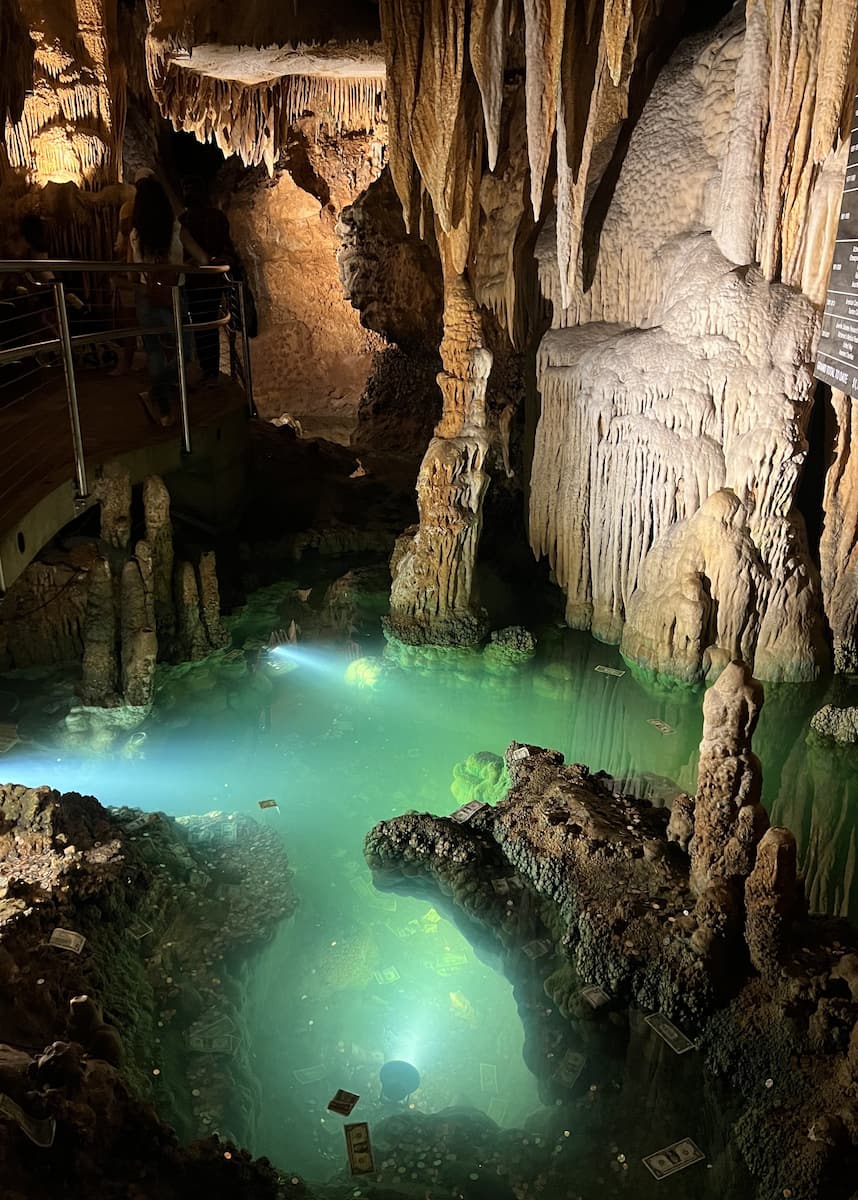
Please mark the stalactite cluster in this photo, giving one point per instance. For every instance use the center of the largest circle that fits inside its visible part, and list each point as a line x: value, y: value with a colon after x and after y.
x: 253, y: 120
x: 70, y: 126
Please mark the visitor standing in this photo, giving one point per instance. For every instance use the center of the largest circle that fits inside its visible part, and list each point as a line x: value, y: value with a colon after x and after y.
x: 157, y: 237
x: 209, y: 227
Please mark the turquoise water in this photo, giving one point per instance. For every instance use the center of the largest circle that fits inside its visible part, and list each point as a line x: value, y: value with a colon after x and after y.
x: 358, y: 976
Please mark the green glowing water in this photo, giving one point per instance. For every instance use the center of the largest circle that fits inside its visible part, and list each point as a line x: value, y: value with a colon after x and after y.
x: 359, y: 977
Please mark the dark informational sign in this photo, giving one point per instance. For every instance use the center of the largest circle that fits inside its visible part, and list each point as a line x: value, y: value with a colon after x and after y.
x: 837, y: 355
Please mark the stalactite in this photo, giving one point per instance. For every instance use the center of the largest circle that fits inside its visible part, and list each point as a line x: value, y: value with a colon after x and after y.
x: 253, y: 120
x: 16, y: 55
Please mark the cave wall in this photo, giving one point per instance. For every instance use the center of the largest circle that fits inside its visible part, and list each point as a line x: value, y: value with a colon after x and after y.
x: 312, y: 356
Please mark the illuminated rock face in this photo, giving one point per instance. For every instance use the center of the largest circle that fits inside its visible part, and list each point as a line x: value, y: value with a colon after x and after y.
x: 70, y: 129
x: 676, y: 390
x: 432, y: 598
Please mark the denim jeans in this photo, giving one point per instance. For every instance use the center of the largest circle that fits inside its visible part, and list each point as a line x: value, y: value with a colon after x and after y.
x: 163, y: 374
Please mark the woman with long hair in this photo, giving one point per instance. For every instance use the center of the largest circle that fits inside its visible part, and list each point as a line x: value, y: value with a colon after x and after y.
x: 157, y: 237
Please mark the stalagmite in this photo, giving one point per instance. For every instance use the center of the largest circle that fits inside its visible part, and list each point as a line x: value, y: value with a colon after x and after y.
x: 159, y: 537
x: 432, y: 596
x: 100, y: 673
x: 113, y: 490
x: 138, y: 638
x: 728, y: 817
x: 772, y: 899
x: 839, y: 545
x: 210, y: 602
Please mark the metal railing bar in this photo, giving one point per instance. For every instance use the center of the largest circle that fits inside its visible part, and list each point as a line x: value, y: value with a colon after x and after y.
x: 41, y: 265
x: 71, y: 389
x: 87, y: 339
x: 180, y: 368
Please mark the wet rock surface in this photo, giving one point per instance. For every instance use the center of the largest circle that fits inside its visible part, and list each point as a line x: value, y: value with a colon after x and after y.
x: 112, y: 1041
x: 598, y: 893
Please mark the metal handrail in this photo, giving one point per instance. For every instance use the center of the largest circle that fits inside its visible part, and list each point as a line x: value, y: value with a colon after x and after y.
x: 11, y: 266
x: 66, y: 342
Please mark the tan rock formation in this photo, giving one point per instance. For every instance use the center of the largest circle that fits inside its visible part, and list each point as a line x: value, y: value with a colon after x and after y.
x: 139, y: 641
x: 839, y: 545
x: 113, y: 491
x: 100, y: 676
x: 311, y: 358
x: 159, y: 538
x: 432, y: 597
x: 728, y: 817
x: 70, y: 127
x: 772, y: 898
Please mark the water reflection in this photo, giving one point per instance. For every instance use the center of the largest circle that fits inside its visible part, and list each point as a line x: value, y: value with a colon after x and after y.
x: 360, y: 977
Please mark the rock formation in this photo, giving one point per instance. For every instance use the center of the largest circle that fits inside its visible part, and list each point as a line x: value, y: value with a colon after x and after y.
x: 432, y: 598
x: 69, y: 129
x: 144, y: 607
x: 602, y: 900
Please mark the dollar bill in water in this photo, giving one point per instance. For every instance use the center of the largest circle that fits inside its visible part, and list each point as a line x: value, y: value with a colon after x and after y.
x: 497, y: 1109
x: 500, y: 887
x: 468, y: 810
x: 519, y: 753
x: 537, y: 948
x: 343, y: 1103
x: 67, y: 939
x: 139, y: 931
x: 668, y: 1032
x: 660, y: 725
x: 206, y: 1043
x: 40, y: 1130
x: 673, y: 1158
x: 310, y: 1074
x: 570, y: 1068
x: 269, y: 804
x: 488, y: 1079
x: 610, y: 671
x: 387, y: 975
x: 595, y: 996
x: 359, y: 1148
x: 221, y: 1023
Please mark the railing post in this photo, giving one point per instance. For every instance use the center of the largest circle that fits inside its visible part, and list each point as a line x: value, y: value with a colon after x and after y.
x: 71, y: 389
x: 180, y: 367
x: 245, y: 341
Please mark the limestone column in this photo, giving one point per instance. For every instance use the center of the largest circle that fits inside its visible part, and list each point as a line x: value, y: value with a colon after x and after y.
x: 432, y: 597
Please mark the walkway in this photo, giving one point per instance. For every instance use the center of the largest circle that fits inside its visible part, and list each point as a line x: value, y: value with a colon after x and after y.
x: 37, y: 494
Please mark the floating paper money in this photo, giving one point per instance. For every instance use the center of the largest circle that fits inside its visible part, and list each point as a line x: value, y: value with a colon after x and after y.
x: 537, y: 948
x: 497, y: 1110
x: 221, y: 1024
x: 40, y: 1130
x: 310, y: 1074
x: 343, y: 1103
x: 501, y: 887
x: 269, y: 804
x: 570, y: 1068
x: 388, y: 975
x: 468, y: 810
x: 140, y: 931
x: 660, y: 726
x: 520, y: 753
x: 359, y: 1149
x: 488, y: 1079
x: 447, y: 964
x: 594, y: 996
x: 668, y: 1032
x: 673, y: 1158
x: 67, y: 939
x: 204, y: 1043
x: 610, y: 671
